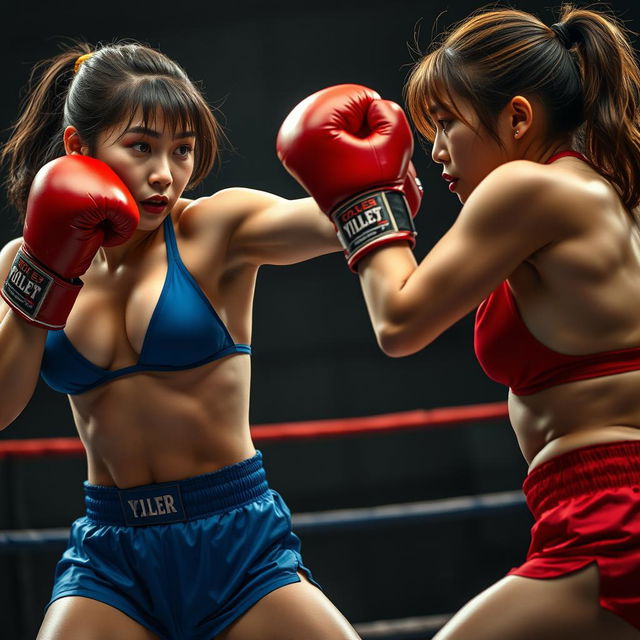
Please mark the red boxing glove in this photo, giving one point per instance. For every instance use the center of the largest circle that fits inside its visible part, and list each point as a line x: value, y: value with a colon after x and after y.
x: 76, y: 204
x: 351, y: 151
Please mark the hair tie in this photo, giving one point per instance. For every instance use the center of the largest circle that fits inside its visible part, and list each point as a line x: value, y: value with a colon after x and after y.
x: 80, y: 60
x: 562, y: 31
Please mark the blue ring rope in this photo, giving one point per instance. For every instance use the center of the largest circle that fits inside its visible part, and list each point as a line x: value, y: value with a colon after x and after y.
x: 337, y: 519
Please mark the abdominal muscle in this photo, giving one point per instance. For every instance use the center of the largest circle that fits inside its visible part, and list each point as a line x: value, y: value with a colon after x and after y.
x: 164, y: 426
x: 576, y: 414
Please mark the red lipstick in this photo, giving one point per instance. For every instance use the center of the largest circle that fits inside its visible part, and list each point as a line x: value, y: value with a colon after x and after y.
x: 451, y: 180
x: 155, y: 204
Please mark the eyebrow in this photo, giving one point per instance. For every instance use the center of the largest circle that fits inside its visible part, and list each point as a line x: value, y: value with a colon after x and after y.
x: 155, y: 134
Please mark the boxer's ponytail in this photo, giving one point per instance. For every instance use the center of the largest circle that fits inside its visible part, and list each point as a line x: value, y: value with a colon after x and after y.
x: 610, y: 135
x: 582, y: 69
x: 36, y: 136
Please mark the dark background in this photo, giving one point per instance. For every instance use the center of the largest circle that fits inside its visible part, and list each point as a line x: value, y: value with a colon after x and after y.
x: 315, y: 353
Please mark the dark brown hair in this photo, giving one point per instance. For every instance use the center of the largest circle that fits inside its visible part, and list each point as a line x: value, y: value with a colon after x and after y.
x: 587, y: 78
x: 110, y: 86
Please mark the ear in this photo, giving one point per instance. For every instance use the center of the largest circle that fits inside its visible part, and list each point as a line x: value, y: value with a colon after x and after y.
x: 73, y: 143
x: 520, y: 113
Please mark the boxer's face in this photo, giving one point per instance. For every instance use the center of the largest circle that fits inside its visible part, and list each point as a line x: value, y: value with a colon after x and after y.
x: 154, y: 162
x: 465, y: 149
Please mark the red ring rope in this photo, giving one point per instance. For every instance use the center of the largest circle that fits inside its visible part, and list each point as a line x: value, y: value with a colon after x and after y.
x: 417, y: 419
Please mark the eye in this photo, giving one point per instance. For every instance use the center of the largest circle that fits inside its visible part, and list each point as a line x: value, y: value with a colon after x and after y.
x: 184, y: 150
x: 444, y: 124
x: 142, y: 147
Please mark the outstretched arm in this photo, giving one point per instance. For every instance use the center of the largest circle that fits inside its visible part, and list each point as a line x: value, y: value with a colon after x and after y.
x: 274, y: 230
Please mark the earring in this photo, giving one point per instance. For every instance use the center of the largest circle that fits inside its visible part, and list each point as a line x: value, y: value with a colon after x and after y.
x: 517, y: 133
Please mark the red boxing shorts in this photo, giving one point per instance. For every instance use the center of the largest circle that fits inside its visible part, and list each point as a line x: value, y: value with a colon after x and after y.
x: 586, y: 506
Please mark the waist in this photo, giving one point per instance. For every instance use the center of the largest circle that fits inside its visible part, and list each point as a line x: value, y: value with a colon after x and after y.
x: 576, y: 415
x: 582, y: 471
x: 189, y: 499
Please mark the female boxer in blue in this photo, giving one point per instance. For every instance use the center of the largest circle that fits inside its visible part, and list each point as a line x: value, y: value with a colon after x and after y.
x: 182, y: 537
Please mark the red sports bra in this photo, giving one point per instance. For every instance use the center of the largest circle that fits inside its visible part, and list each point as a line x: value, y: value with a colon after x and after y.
x: 511, y: 355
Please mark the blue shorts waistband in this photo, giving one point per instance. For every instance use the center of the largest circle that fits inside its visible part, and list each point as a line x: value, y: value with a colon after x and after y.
x: 179, y: 501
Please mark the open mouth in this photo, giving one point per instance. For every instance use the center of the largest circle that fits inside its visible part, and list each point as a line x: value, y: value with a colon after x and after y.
x: 157, y: 204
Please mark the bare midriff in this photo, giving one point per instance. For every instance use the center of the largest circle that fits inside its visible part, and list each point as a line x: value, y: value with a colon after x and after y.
x: 576, y: 414
x: 163, y: 426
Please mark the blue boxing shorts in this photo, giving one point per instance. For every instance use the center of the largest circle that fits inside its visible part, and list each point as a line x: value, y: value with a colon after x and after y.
x: 186, y: 558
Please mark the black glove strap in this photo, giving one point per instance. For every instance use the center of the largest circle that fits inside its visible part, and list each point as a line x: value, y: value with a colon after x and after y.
x: 369, y: 216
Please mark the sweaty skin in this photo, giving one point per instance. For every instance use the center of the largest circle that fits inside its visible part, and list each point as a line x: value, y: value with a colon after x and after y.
x: 159, y: 426
x: 584, y: 314
x: 571, y: 253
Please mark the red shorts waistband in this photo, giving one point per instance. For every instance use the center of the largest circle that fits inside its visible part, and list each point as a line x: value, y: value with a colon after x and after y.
x: 582, y: 471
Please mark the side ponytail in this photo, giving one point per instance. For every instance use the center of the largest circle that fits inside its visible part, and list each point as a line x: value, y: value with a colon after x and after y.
x: 36, y: 136
x: 610, y: 136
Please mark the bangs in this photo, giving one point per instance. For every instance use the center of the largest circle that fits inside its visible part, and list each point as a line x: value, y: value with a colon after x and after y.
x: 432, y: 84
x: 183, y: 110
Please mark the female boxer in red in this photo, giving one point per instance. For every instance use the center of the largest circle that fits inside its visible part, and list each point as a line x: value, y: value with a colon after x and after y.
x: 548, y: 246
x: 182, y: 537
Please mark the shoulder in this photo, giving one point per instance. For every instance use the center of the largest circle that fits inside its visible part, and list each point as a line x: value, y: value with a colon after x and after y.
x: 230, y: 206
x: 526, y: 195
x: 532, y: 185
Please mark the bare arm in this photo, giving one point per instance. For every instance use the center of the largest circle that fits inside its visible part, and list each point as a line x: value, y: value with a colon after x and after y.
x: 273, y: 230
x: 21, y: 348
x: 509, y: 217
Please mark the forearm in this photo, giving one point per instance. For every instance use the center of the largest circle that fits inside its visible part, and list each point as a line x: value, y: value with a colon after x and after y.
x: 383, y: 276
x: 21, y: 349
x: 397, y: 308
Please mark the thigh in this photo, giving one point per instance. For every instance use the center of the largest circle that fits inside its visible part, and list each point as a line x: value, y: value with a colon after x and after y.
x: 517, y: 608
x: 298, y: 610
x: 78, y: 618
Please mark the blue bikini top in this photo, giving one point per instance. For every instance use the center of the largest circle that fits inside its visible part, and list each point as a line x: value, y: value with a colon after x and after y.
x: 184, y: 332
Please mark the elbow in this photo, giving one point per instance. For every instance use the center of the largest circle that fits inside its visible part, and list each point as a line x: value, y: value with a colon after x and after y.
x: 396, y: 341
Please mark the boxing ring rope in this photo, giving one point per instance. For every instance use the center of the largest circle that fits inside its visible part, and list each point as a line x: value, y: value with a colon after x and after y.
x: 331, y: 428
x: 337, y: 519
x: 334, y: 520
